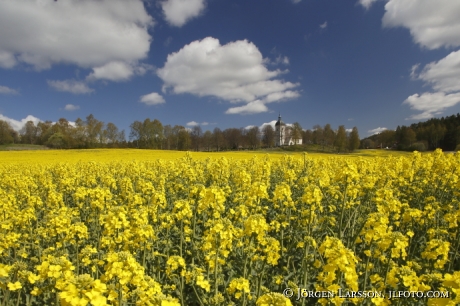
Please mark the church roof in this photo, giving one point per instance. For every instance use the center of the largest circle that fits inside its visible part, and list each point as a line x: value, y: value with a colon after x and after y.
x: 279, y: 122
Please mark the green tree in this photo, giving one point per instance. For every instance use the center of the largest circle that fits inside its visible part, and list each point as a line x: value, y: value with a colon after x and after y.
x: 44, y: 131
x: 5, y: 132
x: 341, y: 139
x: 252, y: 136
x: 184, y: 140
x: 268, y: 138
x: 207, y: 140
x: 137, y: 133
x: 111, y: 133
x: 196, y: 136
x: 296, y: 132
x: 386, y: 139
x: 29, y: 133
x: 57, y: 141
x: 94, y: 129
x: 354, y: 141
x: 328, y: 136
x: 218, y: 138
x: 79, y: 133
x: 318, y: 135
x: 307, y: 137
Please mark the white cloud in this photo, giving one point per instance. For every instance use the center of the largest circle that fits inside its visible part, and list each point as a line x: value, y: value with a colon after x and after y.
x: 71, y: 107
x: 279, y: 96
x: 7, y: 90
x: 444, y: 74
x: 113, y: 71
x: 7, y: 59
x: 348, y: 130
x: 72, y: 86
x: 272, y: 123
x: 279, y: 60
x: 432, y: 24
x: 413, y: 71
x: 17, y: 125
x: 350, y: 119
x: 366, y: 3
x: 233, y: 72
x: 152, y: 99
x: 253, y: 107
x: 86, y: 33
x: 377, y: 130
x: 324, y: 25
x: 296, y: 1
x: 192, y: 123
x: 431, y: 104
x: 179, y: 12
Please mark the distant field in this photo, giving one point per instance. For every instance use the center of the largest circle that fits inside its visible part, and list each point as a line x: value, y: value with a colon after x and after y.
x: 30, y: 154
x: 21, y: 147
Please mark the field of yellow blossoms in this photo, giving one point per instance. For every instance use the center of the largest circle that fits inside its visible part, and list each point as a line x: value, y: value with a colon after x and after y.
x: 225, y: 231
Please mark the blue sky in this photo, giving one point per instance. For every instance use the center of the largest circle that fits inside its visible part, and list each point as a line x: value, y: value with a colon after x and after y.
x: 373, y: 64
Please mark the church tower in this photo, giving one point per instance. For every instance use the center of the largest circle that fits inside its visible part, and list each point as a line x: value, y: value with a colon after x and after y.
x: 280, y: 132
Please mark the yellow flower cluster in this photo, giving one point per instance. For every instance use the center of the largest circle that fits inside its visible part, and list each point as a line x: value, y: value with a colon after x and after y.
x: 223, y: 231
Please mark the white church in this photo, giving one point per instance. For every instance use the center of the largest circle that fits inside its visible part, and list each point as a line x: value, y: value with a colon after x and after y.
x: 283, y: 134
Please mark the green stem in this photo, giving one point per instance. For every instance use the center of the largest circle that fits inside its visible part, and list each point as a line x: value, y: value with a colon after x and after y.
x: 197, y: 296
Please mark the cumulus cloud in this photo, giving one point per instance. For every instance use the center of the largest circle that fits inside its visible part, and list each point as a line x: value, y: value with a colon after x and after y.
x: 253, y: 107
x: 431, y: 104
x: 192, y: 123
x: 179, y: 12
x: 7, y: 90
x: 86, y: 33
x: 377, y: 130
x: 413, y: 71
x: 272, y: 123
x: 366, y: 3
x: 17, y: 125
x: 71, y: 107
x: 118, y: 71
x: 72, y: 86
x: 432, y: 24
x: 324, y: 25
x: 7, y: 59
x: 278, y: 96
x: 234, y: 72
x: 152, y: 99
x: 113, y: 71
x: 444, y: 75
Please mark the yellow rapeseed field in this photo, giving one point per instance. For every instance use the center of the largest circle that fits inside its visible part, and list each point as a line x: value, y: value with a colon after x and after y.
x: 139, y: 227
x: 110, y: 155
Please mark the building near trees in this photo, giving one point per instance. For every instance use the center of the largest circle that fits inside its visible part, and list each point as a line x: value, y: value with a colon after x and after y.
x: 284, y: 135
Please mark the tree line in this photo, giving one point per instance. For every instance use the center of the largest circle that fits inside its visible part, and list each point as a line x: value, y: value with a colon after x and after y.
x: 435, y: 133
x: 152, y: 134
x: 89, y: 133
